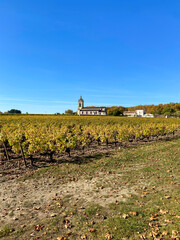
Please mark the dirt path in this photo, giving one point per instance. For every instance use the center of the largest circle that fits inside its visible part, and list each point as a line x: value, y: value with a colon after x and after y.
x: 26, y: 202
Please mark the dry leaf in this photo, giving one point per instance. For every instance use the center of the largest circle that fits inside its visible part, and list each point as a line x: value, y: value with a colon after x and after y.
x: 23, y: 226
x: 67, y: 225
x: 168, y: 221
x: 174, y: 232
x: 53, y: 215
x: 163, y: 211
x: 125, y: 216
x: 165, y: 233
x: 108, y: 236
x: 58, y: 204
x: 167, y: 197
x: 143, y: 237
x: 61, y: 238
x: 37, y: 208
x: 84, y: 237
x: 92, y: 230
x: 133, y: 213
x: 155, y: 233
x: 152, y: 219
x: 38, y: 227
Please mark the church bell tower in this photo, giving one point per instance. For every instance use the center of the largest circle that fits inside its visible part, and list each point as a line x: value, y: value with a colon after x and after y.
x: 80, y: 105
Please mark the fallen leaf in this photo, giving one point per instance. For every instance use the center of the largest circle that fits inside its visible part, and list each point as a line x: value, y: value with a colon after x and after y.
x: 125, y: 216
x: 23, y: 226
x: 38, y: 227
x: 143, y: 237
x: 67, y: 225
x: 58, y: 204
x: 167, y: 197
x: 164, y: 233
x: 53, y: 215
x: 61, y: 238
x: 155, y: 233
x: 37, y: 208
x: 108, y: 236
x: 163, y: 211
x: 152, y: 219
x: 133, y: 213
x: 174, y: 232
x: 84, y: 237
x: 168, y: 221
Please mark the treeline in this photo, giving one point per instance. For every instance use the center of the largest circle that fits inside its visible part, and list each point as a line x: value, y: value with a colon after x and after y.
x: 169, y: 109
x: 12, y: 111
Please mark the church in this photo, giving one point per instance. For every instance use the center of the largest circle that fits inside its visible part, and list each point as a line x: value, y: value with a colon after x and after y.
x: 90, y: 111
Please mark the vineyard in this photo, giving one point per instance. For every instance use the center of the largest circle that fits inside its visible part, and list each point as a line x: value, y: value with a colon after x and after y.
x: 60, y: 178
x: 26, y: 137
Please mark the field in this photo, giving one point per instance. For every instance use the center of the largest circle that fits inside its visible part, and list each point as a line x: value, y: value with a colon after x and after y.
x: 89, y: 178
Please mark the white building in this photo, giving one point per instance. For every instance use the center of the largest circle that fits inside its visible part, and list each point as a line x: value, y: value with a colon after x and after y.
x: 149, y: 115
x: 137, y: 113
x: 130, y: 113
x: 140, y: 113
x: 90, y: 111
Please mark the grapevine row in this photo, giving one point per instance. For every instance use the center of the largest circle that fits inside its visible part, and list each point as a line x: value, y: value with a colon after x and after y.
x: 36, y: 135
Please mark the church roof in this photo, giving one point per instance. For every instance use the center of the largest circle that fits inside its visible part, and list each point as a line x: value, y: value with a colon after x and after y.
x: 93, y: 108
x: 129, y: 112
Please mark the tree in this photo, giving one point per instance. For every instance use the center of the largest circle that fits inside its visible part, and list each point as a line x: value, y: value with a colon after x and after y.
x: 69, y: 112
x: 177, y: 114
x: 168, y: 111
x: 116, y: 111
x: 14, y: 111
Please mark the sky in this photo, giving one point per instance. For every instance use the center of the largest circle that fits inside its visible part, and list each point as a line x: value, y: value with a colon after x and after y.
x: 112, y: 53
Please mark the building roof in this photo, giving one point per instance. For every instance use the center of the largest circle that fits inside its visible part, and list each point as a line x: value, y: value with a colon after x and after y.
x: 129, y: 112
x: 93, y: 109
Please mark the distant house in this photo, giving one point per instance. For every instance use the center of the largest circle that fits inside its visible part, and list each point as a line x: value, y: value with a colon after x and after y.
x: 140, y: 113
x: 130, y: 113
x: 149, y: 115
x: 137, y: 113
x: 90, y: 111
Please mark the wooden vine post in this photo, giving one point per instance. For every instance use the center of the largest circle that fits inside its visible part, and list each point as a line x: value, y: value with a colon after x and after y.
x: 22, y: 153
x: 6, y: 151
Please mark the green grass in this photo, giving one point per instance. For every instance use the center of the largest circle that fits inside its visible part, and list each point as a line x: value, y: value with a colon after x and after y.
x: 6, y: 230
x: 151, y: 170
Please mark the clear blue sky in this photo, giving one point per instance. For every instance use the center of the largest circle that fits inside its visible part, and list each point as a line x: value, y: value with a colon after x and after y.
x: 118, y: 52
